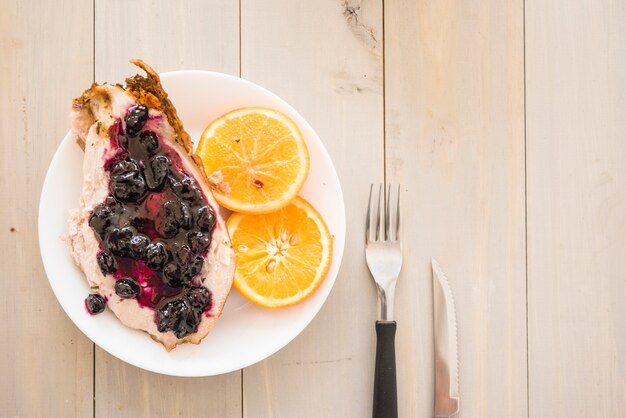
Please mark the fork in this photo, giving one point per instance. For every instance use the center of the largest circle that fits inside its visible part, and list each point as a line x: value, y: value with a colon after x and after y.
x: 383, y: 253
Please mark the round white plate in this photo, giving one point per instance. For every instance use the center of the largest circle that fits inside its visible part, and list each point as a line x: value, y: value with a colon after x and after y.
x: 246, y: 333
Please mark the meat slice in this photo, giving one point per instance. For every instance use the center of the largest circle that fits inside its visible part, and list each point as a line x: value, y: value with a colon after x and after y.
x: 147, y: 234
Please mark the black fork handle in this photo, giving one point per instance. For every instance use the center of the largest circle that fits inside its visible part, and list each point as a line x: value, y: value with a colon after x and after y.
x: 385, y: 388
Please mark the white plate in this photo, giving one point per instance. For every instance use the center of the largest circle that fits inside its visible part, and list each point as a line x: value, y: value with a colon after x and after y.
x: 245, y: 334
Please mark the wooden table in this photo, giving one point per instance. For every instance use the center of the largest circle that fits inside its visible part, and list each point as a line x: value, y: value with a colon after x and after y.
x: 504, y: 121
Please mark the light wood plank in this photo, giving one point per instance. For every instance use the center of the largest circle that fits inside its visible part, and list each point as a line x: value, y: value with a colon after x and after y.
x: 325, y: 58
x: 188, y: 34
x: 126, y: 391
x: 454, y: 89
x: 192, y: 34
x: 576, y: 119
x: 45, y: 361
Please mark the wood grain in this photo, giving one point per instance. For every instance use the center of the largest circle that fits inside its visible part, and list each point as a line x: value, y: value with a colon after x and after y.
x: 325, y: 58
x: 193, y: 34
x: 45, y: 361
x: 189, y: 34
x: 427, y: 94
x: 576, y: 119
x: 454, y: 101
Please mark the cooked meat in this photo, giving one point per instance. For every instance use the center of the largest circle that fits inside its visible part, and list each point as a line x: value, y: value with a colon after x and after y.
x: 148, y: 234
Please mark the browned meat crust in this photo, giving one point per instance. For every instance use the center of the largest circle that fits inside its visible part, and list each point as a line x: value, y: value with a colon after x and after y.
x: 149, y: 92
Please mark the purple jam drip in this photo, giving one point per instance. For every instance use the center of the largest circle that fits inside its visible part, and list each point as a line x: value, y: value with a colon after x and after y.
x: 153, y: 288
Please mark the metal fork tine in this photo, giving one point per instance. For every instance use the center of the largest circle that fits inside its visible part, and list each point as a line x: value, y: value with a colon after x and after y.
x: 383, y: 254
x: 397, y: 237
x: 388, y: 215
x: 380, y: 219
x: 368, y: 220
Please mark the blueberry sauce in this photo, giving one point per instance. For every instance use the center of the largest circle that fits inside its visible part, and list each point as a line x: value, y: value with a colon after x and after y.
x: 155, y: 226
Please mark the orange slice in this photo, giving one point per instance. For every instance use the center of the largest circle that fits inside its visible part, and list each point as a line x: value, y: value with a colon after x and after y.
x: 255, y: 158
x: 281, y: 257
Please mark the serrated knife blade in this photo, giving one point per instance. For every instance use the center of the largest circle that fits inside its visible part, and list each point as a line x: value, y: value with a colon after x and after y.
x: 446, y: 351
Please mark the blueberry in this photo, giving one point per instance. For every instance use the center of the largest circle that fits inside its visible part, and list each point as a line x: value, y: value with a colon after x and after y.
x: 139, y: 222
x: 127, y: 232
x: 172, y: 216
x: 107, y: 263
x: 184, y: 255
x: 191, y: 269
x: 168, y: 208
x: 198, y: 241
x: 156, y: 256
x: 205, y: 218
x: 199, y: 297
x: 123, y: 166
x: 185, y: 188
x: 167, y: 228
x: 101, y: 219
x: 95, y: 303
x: 127, y: 288
x: 129, y: 186
x: 136, y: 118
x: 119, y: 241
x: 149, y: 141
x: 113, y: 204
x: 105, y: 216
x: 183, y: 215
x: 138, y: 246
x: 172, y: 275
x: 182, y: 272
x: 177, y: 316
x: 156, y: 171
x: 117, y: 209
x: 166, y: 223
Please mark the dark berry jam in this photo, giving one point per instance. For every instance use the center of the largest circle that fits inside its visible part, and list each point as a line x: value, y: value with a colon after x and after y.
x: 155, y: 226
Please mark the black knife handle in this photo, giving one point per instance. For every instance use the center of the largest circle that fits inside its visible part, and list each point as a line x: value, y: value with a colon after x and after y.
x: 385, y: 390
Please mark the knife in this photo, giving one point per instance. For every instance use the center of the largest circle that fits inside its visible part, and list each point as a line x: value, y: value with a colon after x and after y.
x: 446, y: 352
